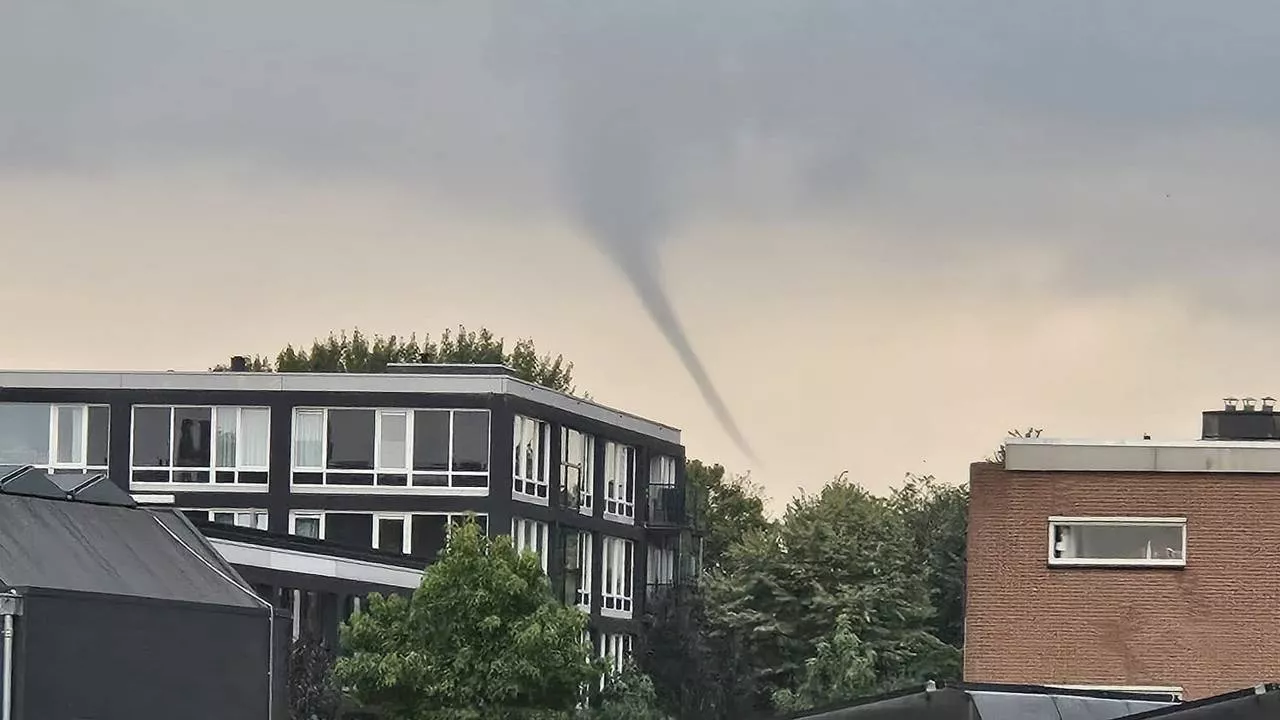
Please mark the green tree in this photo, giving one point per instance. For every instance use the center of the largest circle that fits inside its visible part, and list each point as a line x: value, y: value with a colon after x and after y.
x: 627, y: 695
x: 697, y: 673
x: 358, y: 352
x: 842, y: 669
x: 482, y: 638
x: 731, y: 508
x: 937, y: 518
x: 313, y: 694
x: 840, y: 552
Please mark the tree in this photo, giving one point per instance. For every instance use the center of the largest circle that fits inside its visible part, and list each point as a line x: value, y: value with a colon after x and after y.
x: 358, y: 352
x: 840, y: 552
x: 313, y: 693
x: 627, y: 695
x: 504, y: 648
x: 731, y: 506
x: 937, y: 519
x: 696, y: 672
x: 842, y: 668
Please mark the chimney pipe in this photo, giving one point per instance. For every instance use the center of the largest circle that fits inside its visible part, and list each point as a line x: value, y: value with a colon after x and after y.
x: 1250, y: 404
x: 1268, y: 404
x: 1229, y: 404
x: 239, y: 363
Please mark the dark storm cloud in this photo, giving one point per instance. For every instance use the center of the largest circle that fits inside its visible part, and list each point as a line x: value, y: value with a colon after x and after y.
x: 1074, y: 124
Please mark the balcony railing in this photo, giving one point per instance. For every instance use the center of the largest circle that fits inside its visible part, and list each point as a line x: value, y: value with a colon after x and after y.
x: 667, y: 506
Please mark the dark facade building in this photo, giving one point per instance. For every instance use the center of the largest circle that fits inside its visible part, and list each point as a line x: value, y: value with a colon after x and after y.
x: 1132, y: 564
x: 368, y: 471
x: 110, y: 610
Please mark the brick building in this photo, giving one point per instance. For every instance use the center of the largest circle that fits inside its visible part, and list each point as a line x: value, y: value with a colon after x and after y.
x: 1135, y: 565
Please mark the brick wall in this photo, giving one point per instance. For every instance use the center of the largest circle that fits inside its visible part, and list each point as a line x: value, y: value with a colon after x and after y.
x: 1210, y: 627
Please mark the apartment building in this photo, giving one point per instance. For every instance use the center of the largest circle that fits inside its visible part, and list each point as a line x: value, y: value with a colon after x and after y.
x: 322, y: 487
x: 1137, y: 565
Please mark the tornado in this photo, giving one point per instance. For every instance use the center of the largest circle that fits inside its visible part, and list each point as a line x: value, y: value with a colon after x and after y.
x: 625, y: 150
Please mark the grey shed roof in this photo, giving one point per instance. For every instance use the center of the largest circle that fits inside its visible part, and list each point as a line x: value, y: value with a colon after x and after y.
x: 133, y: 552
x: 993, y: 702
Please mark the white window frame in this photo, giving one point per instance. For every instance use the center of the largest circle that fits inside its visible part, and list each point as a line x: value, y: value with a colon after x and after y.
x: 406, y: 532
x: 586, y: 554
x: 296, y: 515
x: 616, y: 648
x: 1057, y: 521
x: 51, y: 457
x: 620, y: 493
x: 538, y: 477
x: 660, y: 570
x: 617, y: 577
x: 587, y: 463
x: 331, y: 479
x: 213, y: 468
x: 256, y: 513
x: 1175, y: 690
x: 451, y: 520
x: 542, y: 538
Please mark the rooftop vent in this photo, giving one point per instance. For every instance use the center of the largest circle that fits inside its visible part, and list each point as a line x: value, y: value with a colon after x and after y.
x: 239, y: 363
x: 1242, y: 419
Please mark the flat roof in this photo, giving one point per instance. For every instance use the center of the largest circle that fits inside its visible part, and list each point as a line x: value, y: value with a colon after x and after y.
x: 1199, y: 456
x: 450, y: 382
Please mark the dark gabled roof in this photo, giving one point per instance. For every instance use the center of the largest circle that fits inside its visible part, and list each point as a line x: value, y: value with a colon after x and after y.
x: 77, y: 487
x: 133, y: 552
x: 963, y: 701
x: 1256, y: 703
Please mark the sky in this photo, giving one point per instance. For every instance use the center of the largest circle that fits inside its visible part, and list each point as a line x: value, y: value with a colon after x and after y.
x: 891, y: 231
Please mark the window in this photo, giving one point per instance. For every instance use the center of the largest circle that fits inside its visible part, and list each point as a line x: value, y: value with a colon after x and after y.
x: 530, y: 535
x: 54, y: 437
x: 578, y: 568
x: 615, y: 648
x: 666, y: 504
x: 256, y: 519
x: 201, y: 445
x: 661, y: 568
x: 391, y: 533
x: 392, y: 448
x: 619, y: 481
x: 308, y: 525
x: 616, y: 571
x: 419, y: 534
x: 577, y: 469
x: 1129, y: 541
x: 529, y: 462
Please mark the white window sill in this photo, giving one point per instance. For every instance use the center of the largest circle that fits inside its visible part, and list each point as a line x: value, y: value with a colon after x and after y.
x: 617, y: 614
x: 584, y: 608
x: 433, y: 490
x: 588, y: 511
x: 1116, y: 563
x: 177, y: 487
x: 612, y: 517
x: 531, y: 499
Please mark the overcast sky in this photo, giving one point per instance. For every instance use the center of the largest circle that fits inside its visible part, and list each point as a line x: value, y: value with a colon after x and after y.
x: 892, y: 230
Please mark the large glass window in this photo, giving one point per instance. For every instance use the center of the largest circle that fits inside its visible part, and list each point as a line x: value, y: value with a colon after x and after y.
x: 391, y: 448
x: 530, y: 469
x: 422, y: 534
x: 617, y: 577
x: 1128, y: 541
x: 577, y: 469
x: 200, y: 445
x: 72, y: 437
x: 531, y: 536
x: 619, y: 481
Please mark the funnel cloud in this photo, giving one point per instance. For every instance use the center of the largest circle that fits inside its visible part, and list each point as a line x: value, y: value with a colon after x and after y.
x: 623, y: 157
